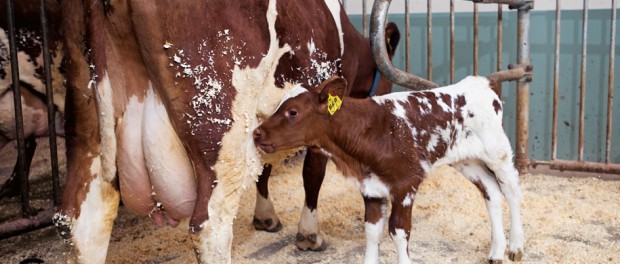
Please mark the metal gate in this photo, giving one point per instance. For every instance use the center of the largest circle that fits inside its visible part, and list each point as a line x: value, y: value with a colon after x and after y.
x: 523, y: 162
x: 31, y: 219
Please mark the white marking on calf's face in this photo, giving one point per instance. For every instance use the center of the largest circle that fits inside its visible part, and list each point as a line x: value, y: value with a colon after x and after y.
x: 297, y: 90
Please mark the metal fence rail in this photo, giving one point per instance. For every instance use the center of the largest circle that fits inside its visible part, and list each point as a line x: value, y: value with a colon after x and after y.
x: 522, y: 155
x: 30, y: 218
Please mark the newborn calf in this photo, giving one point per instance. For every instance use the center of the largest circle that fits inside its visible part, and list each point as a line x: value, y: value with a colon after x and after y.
x: 389, y: 143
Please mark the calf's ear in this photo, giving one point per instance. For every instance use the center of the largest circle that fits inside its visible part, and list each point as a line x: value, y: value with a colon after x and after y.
x: 392, y: 37
x: 333, y: 87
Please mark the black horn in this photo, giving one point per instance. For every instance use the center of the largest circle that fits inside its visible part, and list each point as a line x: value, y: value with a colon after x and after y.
x: 379, y: 51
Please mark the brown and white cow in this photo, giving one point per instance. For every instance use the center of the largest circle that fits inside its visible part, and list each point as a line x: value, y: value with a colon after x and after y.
x: 388, y: 144
x: 162, y: 99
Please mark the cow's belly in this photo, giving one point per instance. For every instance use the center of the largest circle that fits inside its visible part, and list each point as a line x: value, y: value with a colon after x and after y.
x: 154, y: 169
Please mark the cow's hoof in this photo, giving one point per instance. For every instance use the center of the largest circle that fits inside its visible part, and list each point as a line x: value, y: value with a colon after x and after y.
x: 312, y: 242
x: 495, y: 261
x: 267, y: 225
x: 516, y: 256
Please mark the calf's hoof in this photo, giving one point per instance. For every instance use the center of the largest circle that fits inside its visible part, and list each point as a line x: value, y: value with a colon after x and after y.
x: 312, y: 242
x: 516, y: 256
x: 267, y: 225
x: 495, y: 261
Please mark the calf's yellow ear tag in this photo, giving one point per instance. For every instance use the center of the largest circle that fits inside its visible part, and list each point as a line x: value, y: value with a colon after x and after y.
x: 333, y: 103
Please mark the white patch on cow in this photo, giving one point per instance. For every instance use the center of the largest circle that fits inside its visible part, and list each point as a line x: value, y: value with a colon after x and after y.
x: 297, y: 90
x: 105, y: 107
x: 91, y: 231
x: 163, y: 147
x: 309, y: 221
x: 392, y: 97
x: 408, y: 199
x: 311, y: 47
x: 334, y: 8
x: 432, y: 142
x: 264, y: 209
x: 326, y: 153
x: 374, y: 233
x: 239, y: 164
x: 372, y: 186
x: 400, y: 239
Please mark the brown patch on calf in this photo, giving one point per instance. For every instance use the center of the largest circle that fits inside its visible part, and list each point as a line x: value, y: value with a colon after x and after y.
x: 482, y: 189
x: 497, y: 106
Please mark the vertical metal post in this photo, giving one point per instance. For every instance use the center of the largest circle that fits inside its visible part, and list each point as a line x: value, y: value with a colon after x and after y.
x: 429, y: 40
x: 475, y: 39
x: 556, y: 83
x: 51, y: 111
x: 582, y: 86
x: 364, y: 18
x: 610, y: 95
x: 451, y: 41
x: 407, y: 33
x: 19, y: 122
x: 500, y: 36
x: 523, y: 90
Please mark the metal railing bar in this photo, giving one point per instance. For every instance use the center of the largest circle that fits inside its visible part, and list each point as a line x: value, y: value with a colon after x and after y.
x: 452, y: 63
x: 500, y: 37
x: 19, y: 122
x: 51, y: 111
x: 523, y: 99
x: 475, y: 39
x: 556, y: 83
x: 407, y: 35
x: 429, y: 40
x: 610, y: 95
x: 582, y: 85
x: 364, y: 18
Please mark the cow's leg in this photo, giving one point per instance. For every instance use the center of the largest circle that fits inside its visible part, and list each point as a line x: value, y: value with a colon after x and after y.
x: 400, y: 222
x: 91, y: 198
x: 508, y: 179
x: 10, y: 187
x: 265, y: 217
x: 308, y: 235
x: 486, y: 182
x: 375, y: 216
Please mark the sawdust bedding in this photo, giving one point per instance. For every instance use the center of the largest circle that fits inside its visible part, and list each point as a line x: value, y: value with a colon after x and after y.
x: 566, y: 220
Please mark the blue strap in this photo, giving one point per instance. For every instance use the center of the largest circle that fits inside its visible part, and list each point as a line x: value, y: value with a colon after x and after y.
x: 375, y: 83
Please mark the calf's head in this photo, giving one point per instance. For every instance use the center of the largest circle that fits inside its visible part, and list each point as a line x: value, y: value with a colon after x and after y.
x: 303, y: 119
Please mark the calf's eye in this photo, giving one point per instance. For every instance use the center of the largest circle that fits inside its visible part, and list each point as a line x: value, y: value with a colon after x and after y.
x: 291, y: 113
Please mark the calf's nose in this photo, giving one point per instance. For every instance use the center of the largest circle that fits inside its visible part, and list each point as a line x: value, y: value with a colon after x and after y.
x: 258, y: 134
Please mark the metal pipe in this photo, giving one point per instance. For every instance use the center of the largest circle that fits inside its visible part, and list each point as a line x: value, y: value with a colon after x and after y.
x: 573, y: 165
x: 556, y: 84
x: 500, y: 36
x: 610, y: 95
x: 407, y: 33
x: 508, y: 75
x: 523, y: 91
x: 22, y: 225
x: 582, y: 86
x: 506, y: 2
x: 452, y: 41
x: 379, y: 52
x: 475, y: 39
x: 51, y: 118
x: 429, y: 41
x: 19, y: 122
x: 364, y: 18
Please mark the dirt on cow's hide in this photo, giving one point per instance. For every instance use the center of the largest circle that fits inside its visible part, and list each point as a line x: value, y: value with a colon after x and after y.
x: 566, y: 220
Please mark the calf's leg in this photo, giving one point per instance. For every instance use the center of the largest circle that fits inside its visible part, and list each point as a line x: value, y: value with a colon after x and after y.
x: 375, y: 217
x: 309, y: 236
x: 486, y: 182
x: 400, y: 223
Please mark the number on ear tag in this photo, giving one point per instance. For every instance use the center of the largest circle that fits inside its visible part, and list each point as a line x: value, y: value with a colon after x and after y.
x: 333, y: 104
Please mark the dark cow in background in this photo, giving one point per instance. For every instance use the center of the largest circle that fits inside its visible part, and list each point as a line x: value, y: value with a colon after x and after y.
x: 32, y: 77
x: 162, y: 99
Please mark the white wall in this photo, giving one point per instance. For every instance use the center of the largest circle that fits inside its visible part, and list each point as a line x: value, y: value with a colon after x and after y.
x: 354, y: 7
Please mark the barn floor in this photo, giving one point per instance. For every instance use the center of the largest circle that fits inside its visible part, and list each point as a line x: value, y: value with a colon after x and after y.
x: 566, y: 220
